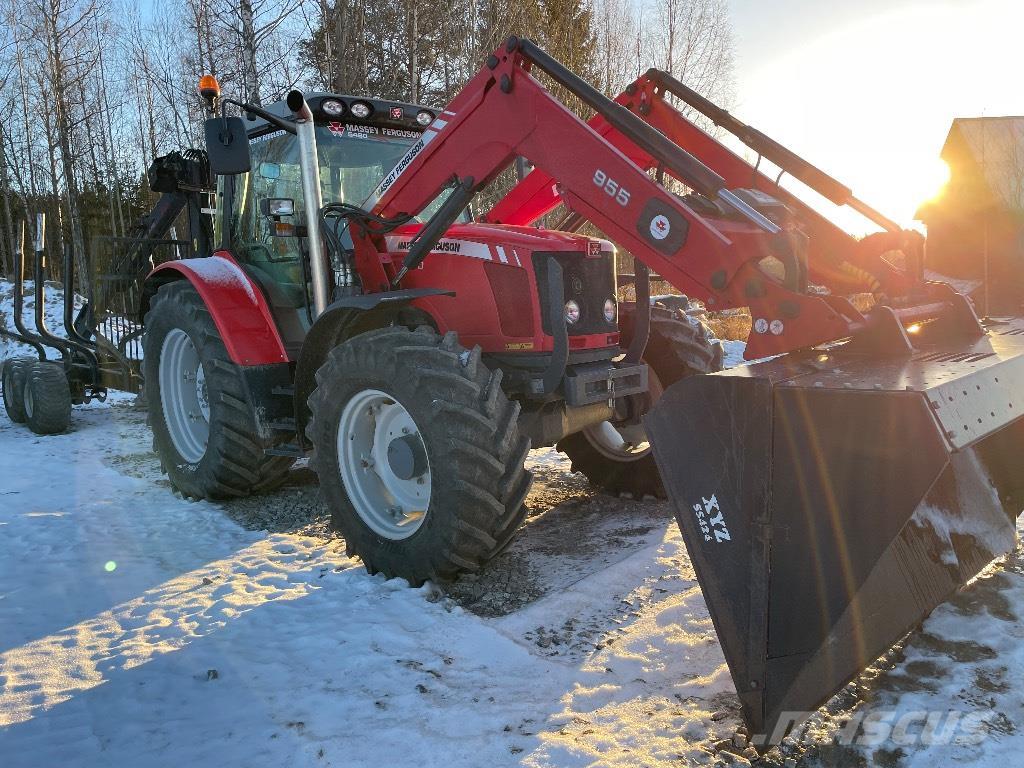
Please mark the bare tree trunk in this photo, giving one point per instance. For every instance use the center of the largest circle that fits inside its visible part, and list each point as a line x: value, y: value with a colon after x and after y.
x: 56, y: 33
x: 414, y: 47
x: 33, y: 188
x: 116, y: 225
x: 7, y: 265
x: 248, y: 49
x: 55, y: 232
x: 342, y: 72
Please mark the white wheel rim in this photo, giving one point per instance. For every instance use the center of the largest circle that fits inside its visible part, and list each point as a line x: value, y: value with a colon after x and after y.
x: 28, y: 400
x: 391, y: 506
x: 183, y: 396
x: 624, y: 442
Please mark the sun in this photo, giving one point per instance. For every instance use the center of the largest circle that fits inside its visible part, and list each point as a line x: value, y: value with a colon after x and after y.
x: 930, y: 181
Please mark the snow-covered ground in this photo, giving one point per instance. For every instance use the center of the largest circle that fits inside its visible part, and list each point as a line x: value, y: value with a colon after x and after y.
x: 140, y: 629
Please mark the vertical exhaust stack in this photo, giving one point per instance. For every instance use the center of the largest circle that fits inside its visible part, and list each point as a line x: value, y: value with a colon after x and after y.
x: 829, y: 503
x: 309, y: 167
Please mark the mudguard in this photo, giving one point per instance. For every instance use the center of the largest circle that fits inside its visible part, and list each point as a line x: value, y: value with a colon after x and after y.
x: 235, y: 301
x: 335, y: 324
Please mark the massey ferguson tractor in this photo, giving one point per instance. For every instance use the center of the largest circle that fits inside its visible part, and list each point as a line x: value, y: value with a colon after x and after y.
x: 353, y: 308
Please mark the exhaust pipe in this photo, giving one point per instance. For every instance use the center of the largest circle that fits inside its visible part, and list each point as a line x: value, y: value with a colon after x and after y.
x: 309, y: 169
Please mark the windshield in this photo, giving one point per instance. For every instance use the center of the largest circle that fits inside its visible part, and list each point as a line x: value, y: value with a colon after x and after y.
x: 353, y: 159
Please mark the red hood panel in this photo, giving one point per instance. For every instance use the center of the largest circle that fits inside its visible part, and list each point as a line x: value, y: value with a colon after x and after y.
x: 527, y: 238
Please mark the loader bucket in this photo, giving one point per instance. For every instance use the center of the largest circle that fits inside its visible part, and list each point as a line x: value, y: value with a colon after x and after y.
x: 830, y: 502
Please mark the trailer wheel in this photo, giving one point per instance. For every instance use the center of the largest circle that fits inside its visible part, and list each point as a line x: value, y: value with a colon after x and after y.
x: 618, y: 458
x: 14, y: 376
x: 204, y: 428
x: 47, y: 398
x: 418, y: 453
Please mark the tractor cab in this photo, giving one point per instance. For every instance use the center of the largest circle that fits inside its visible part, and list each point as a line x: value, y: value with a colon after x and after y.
x: 261, y: 217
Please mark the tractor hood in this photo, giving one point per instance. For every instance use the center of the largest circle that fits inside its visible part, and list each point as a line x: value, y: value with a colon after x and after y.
x: 506, y: 236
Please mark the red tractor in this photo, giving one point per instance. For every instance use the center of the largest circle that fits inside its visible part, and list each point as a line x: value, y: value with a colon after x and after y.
x: 419, y: 395
x: 354, y: 310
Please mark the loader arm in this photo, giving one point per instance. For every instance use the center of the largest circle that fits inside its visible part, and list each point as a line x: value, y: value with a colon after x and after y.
x: 835, y: 258
x: 828, y: 501
x: 504, y: 112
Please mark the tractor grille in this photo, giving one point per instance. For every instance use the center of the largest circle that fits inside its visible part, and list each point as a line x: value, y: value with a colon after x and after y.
x: 589, y: 282
x: 510, y: 286
x: 952, y: 357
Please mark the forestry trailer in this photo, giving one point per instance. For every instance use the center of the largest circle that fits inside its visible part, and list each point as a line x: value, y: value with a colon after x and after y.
x: 354, y: 311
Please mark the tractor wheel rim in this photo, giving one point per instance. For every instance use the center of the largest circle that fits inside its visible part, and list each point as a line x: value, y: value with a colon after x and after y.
x: 391, y: 506
x: 28, y: 400
x: 183, y: 396
x: 624, y: 442
x: 8, y: 382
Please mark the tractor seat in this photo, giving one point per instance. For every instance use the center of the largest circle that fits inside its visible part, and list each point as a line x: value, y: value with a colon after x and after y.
x: 280, y: 278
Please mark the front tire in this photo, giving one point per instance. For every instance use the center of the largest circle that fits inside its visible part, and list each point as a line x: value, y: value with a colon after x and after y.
x: 618, y: 458
x: 47, y: 399
x: 418, y: 453
x: 15, y: 374
x: 204, y: 427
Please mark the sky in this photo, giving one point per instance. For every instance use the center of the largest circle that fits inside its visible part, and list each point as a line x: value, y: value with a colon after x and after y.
x: 867, y: 90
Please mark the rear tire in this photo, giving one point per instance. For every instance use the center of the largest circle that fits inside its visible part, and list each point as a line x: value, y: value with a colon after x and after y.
x: 472, y: 455
x: 47, y: 399
x: 205, y: 432
x: 678, y: 346
x: 14, y: 376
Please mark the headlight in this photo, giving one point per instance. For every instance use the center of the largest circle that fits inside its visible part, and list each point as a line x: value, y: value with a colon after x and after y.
x: 360, y: 109
x: 572, y: 312
x: 332, y: 107
x: 609, y: 310
x: 424, y: 118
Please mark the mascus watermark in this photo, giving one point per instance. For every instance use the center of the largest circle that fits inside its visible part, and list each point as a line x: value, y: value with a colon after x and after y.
x: 882, y: 727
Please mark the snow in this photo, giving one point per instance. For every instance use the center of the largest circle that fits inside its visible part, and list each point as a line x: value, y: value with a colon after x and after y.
x: 53, y: 315
x: 733, y: 353
x: 140, y: 629
x: 973, y: 484
x: 224, y: 273
x: 113, y: 327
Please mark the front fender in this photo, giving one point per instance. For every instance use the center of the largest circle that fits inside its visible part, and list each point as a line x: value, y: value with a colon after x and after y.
x: 235, y: 302
x: 339, y: 321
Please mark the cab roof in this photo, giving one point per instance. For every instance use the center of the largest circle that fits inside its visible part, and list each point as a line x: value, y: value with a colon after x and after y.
x: 390, y: 114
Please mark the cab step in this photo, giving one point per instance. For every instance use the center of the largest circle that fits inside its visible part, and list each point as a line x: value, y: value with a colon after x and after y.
x: 286, y: 424
x: 287, y: 449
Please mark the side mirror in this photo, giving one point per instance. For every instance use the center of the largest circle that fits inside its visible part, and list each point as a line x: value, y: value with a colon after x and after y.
x: 227, y: 146
x: 277, y: 206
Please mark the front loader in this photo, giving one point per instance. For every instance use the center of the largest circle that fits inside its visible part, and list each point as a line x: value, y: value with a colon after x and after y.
x: 842, y: 491
x: 354, y: 311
